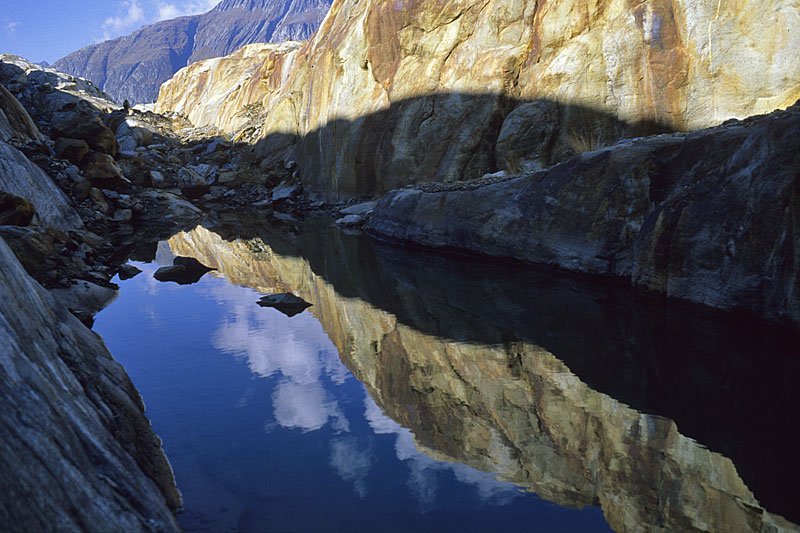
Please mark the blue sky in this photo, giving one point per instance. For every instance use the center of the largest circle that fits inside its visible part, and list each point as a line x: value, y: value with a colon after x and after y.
x: 48, y: 30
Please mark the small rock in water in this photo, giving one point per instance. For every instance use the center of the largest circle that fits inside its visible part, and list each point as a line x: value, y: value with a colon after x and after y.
x: 184, y: 271
x: 128, y: 271
x: 350, y: 220
x: 287, y: 303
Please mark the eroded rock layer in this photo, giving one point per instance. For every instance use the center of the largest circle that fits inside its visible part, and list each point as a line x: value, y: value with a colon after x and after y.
x: 389, y: 93
x: 501, y: 405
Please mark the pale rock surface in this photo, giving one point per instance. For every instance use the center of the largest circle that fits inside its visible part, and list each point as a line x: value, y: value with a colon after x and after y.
x: 389, y: 93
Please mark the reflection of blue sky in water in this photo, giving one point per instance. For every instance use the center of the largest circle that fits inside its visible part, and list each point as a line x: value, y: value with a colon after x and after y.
x: 267, y: 430
x: 299, y: 351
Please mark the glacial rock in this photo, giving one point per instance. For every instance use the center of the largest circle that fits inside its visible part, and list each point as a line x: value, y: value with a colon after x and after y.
x: 708, y: 217
x: 133, y: 67
x: 222, y: 86
x: 387, y: 93
x: 77, y: 451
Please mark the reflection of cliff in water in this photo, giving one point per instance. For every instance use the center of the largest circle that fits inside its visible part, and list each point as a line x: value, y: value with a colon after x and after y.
x: 462, y: 353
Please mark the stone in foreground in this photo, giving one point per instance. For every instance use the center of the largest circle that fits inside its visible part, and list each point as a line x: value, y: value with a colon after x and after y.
x: 184, y: 271
x: 287, y: 303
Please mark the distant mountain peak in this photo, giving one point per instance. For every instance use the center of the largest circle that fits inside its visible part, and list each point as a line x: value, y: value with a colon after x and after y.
x: 133, y: 67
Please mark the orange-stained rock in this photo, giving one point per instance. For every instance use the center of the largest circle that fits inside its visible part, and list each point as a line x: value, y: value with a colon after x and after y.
x: 392, y: 92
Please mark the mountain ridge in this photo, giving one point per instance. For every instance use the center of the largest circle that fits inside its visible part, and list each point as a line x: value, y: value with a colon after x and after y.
x: 134, y: 66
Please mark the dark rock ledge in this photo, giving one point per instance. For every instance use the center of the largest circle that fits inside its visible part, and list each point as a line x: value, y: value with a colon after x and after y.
x: 712, y: 217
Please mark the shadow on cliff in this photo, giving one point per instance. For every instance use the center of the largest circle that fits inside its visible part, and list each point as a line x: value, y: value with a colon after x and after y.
x: 727, y: 381
x: 445, y: 137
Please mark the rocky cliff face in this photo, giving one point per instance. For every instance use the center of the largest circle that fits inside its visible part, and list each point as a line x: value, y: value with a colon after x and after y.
x: 709, y: 217
x: 389, y: 93
x: 495, y: 403
x: 133, y: 67
x: 217, y: 92
x: 77, y: 453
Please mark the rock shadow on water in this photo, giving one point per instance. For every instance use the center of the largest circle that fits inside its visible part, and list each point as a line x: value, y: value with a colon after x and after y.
x: 184, y: 271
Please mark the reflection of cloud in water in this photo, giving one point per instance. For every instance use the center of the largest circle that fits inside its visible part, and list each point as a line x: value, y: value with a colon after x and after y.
x: 350, y: 463
x: 422, y: 475
x: 306, y: 406
x: 297, y: 348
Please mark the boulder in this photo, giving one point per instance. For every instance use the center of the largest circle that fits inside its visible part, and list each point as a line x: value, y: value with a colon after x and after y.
x: 103, y: 171
x: 185, y: 271
x: 77, y: 125
x: 192, y: 184
x: 287, y: 303
x: 128, y: 271
x: 72, y: 149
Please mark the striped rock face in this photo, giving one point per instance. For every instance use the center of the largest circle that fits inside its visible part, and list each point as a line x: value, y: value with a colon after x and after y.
x: 390, y: 92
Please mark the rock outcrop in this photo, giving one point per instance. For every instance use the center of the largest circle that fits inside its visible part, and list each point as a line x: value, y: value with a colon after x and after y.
x: 389, y: 93
x: 77, y: 452
x: 709, y: 217
x: 506, y: 405
x: 216, y: 92
x: 133, y: 67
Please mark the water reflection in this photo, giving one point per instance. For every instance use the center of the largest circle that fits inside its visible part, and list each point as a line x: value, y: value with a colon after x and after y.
x: 503, y: 404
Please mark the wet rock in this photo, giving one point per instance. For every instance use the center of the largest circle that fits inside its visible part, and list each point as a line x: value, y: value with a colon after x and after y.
x: 72, y: 149
x: 15, y: 211
x: 287, y: 303
x: 128, y: 271
x: 85, y: 299
x: 184, y: 271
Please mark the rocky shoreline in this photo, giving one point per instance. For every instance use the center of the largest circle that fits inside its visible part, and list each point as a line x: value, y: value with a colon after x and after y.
x: 708, y: 217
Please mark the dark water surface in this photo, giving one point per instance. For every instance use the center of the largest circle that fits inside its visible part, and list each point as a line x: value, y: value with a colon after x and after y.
x: 426, y: 393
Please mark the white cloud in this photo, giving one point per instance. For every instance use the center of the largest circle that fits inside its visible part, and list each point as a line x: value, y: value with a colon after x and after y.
x: 133, y: 17
x: 166, y: 10
x: 133, y: 14
x: 11, y: 26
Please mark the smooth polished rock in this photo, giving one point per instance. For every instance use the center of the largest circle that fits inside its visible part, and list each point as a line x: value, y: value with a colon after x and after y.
x: 77, y: 452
